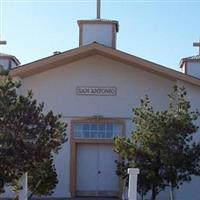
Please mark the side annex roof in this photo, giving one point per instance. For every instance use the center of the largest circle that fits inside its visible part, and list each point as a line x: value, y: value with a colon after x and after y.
x: 72, y: 55
x: 189, y: 59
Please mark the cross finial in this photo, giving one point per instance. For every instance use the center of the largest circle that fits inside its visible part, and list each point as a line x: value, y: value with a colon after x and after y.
x: 197, y: 44
x: 98, y: 9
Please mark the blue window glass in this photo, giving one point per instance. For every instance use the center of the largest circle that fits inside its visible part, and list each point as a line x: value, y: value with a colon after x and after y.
x: 86, y: 127
x: 102, y: 134
x: 94, y: 134
x: 109, y: 127
x: 86, y: 134
x: 101, y: 127
x: 109, y: 134
x: 78, y: 134
x: 97, y: 131
x: 94, y: 127
x: 78, y: 127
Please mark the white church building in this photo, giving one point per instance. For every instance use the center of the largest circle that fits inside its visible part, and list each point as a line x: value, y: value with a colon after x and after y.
x: 95, y: 87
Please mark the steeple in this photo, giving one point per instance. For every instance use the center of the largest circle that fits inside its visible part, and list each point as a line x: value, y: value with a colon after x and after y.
x: 191, y: 65
x: 98, y: 30
x: 98, y: 9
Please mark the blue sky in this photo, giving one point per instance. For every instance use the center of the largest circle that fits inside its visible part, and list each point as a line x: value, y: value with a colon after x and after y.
x: 159, y: 31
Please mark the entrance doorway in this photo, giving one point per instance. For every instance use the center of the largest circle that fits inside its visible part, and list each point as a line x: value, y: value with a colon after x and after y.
x: 93, y: 167
x: 96, y: 168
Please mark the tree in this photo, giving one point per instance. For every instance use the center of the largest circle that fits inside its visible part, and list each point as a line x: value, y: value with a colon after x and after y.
x: 182, y: 154
x: 161, y: 145
x: 43, y: 179
x: 28, y: 138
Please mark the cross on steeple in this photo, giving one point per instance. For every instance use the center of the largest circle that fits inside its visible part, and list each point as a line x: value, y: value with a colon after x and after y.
x: 197, y: 44
x: 3, y: 42
x: 98, y: 9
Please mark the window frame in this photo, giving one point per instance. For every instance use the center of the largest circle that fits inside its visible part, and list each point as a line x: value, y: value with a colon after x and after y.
x: 105, y: 132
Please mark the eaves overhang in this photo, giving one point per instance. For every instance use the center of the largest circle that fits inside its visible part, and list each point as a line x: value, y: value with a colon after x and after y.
x: 76, y: 54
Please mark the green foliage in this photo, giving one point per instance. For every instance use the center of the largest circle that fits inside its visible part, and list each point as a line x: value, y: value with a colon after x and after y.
x: 161, y: 145
x: 44, y: 177
x: 28, y: 138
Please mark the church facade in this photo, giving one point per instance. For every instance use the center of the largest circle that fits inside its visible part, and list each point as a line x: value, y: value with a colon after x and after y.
x: 95, y: 87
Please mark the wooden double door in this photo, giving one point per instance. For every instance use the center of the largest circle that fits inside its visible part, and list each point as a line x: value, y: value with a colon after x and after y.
x: 96, y: 170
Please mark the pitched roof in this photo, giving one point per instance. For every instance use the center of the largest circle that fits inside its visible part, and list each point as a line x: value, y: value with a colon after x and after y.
x: 54, y: 61
x: 4, y: 55
x: 195, y: 58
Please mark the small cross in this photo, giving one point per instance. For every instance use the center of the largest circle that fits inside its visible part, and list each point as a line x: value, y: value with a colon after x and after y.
x: 98, y: 9
x: 3, y: 42
x: 197, y: 44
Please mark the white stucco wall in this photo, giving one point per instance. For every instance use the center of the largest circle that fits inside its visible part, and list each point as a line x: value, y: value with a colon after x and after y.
x: 193, y: 69
x: 57, y: 88
x: 100, y: 33
x: 182, y: 69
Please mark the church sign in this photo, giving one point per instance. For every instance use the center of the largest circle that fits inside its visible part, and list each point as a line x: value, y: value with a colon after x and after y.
x: 96, y: 91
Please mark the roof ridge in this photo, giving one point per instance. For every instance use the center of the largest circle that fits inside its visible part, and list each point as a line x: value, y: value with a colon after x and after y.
x: 5, y: 54
x: 95, y: 48
x: 193, y: 57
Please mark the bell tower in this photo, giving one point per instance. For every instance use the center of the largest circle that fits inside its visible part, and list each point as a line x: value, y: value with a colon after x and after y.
x: 191, y: 65
x: 7, y: 61
x: 98, y: 30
